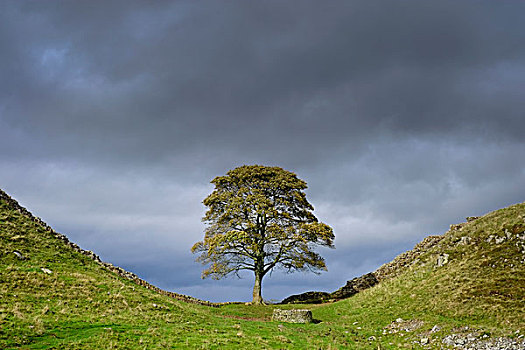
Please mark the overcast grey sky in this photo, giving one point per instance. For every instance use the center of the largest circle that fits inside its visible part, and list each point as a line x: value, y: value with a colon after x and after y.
x: 402, y: 116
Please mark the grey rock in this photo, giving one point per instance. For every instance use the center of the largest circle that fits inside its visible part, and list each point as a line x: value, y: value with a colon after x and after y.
x: 442, y: 259
x: 500, y: 240
x: 457, y: 227
x: 474, y: 341
x: 435, y: 329
x: 19, y: 255
x: 464, y: 240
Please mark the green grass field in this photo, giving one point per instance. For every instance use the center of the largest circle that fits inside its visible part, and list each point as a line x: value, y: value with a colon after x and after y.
x: 80, y: 304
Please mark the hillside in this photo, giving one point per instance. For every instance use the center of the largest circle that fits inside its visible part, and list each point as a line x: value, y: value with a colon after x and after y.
x: 496, y: 240
x: 469, y: 282
x: 54, y: 294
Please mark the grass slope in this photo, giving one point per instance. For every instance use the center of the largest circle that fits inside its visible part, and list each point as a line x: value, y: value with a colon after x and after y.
x: 80, y: 304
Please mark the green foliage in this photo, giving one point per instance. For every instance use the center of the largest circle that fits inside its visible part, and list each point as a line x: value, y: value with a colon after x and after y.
x: 259, y: 219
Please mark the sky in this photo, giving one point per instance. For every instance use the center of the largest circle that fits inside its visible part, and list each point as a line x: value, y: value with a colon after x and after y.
x: 403, y: 117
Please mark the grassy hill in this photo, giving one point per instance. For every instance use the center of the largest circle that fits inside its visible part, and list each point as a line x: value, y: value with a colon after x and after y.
x: 55, y: 295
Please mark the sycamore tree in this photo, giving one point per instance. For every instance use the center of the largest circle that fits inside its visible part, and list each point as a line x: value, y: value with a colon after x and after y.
x: 258, y: 219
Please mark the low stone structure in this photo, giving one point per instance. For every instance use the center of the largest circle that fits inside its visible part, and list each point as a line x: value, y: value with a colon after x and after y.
x: 292, y: 316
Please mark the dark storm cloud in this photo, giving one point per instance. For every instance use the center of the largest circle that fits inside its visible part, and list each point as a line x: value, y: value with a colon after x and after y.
x: 168, y: 74
x: 403, y: 117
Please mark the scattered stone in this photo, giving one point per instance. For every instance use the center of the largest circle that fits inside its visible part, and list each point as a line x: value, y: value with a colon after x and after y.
x: 19, y: 255
x: 500, y: 240
x: 46, y: 271
x: 482, y: 342
x: 292, y: 316
x: 435, y: 329
x: 442, y: 259
x: 401, y: 325
x: 472, y: 218
x: 372, y: 338
x: 457, y: 227
x: 464, y: 240
x: 424, y: 341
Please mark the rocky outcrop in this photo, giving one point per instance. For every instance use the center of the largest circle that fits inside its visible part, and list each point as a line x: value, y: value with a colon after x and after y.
x: 354, y: 286
x: 308, y: 297
x: 108, y: 266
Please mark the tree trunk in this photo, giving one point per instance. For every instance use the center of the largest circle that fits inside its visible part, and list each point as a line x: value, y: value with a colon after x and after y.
x: 257, y: 296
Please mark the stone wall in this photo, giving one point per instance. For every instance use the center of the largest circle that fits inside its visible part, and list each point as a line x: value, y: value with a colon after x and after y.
x: 354, y: 286
x: 308, y: 297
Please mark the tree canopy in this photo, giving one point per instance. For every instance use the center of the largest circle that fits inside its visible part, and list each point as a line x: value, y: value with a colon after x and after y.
x: 258, y: 219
